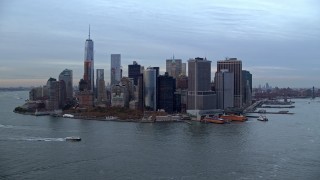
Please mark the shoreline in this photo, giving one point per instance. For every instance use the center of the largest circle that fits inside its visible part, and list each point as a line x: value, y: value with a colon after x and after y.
x: 103, y: 118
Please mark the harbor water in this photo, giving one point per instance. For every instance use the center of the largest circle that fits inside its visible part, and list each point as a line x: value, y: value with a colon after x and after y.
x: 285, y: 147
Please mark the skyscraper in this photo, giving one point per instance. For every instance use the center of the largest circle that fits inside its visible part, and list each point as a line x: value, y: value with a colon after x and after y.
x: 174, y: 67
x: 134, y: 72
x: 166, y: 98
x: 53, y: 101
x: 235, y: 66
x: 184, y: 69
x: 200, y: 96
x: 224, y: 85
x: 67, y: 77
x: 246, y: 87
x: 150, y: 88
x: 115, y: 68
x: 101, y: 87
x: 89, y: 64
x: 199, y: 71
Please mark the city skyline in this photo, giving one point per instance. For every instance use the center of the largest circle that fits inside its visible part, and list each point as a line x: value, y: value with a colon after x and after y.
x: 276, y: 41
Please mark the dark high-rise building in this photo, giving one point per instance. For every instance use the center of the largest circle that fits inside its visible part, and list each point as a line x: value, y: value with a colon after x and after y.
x: 101, y: 87
x: 199, y: 70
x: 166, y: 97
x: 115, y: 69
x: 235, y: 66
x: 246, y: 87
x: 134, y: 72
x: 88, y: 75
x: 53, y: 101
x: 157, y: 69
x: 224, y: 86
x: 200, y: 96
x: 62, y: 94
x: 83, y: 85
x: 140, y: 89
x: 66, y: 77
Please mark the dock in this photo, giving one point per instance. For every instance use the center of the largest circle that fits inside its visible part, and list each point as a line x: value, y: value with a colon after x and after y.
x: 258, y: 104
x: 289, y: 113
x: 277, y: 106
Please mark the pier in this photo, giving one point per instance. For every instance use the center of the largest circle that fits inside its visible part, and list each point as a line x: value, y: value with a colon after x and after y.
x: 277, y: 106
x: 258, y: 104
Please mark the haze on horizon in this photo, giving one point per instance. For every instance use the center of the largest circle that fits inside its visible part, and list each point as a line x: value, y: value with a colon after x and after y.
x: 278, y: 42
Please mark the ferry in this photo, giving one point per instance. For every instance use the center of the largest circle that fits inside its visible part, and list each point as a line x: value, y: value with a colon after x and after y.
x: 213, y: 119
x: 262, y: 118
x: 73, y: 138
x: 68, y: 116
x: 234, y: 117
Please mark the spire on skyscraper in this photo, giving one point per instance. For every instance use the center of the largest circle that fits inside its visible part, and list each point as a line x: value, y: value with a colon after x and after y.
x: 89, y: 31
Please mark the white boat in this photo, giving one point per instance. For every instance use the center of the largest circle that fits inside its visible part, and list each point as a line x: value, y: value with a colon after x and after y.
x: 111, y: 118
x: 73, y: 138
x: 68, y: 116
x: 262, y: 118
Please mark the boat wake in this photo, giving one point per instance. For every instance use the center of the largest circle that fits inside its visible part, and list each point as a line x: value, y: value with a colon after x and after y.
x: 6, y: 126
x: 45, y: 139
x: 17, y: 127
x: 37, y: 139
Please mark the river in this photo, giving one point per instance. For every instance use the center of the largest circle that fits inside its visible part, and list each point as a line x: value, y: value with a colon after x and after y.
x: 285, y: 147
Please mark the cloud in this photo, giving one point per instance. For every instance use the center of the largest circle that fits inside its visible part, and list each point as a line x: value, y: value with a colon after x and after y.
x: 5, y: 69
x: 41, y: 38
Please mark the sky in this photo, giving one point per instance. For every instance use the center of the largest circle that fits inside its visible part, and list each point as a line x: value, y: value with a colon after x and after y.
x: 277, y: 41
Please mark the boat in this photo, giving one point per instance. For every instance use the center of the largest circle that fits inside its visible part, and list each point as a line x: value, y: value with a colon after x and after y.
x: 234, y: 117
x: 68, y: 116
x: 262, y: 118
x: 111, y: 118
x: 73, y: 138
x: 213, y: 119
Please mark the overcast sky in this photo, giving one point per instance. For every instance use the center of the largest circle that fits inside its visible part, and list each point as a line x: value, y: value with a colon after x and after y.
x: 277, y: 41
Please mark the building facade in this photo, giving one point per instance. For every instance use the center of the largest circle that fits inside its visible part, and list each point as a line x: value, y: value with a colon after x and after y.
x: 150, y: 89
x: 235, y: 66
x: 174, y: 67
x: 200, y: 96
x: 166, y: 97
x: 182, y: 82
x: 53, y: 101
x: 184, y: 69
x: 119, y: 96
x: 134, y: 72
x: 224, y: 85
x: 247, y: 87
x: 101, y: 87
x: 129, y: 84
x: 85, y: 99
x: 67, y: 77
x: 88, y: 75
x: 115, y: 68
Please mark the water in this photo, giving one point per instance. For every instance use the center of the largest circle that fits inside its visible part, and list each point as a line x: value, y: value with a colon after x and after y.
x: 285, y: 147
